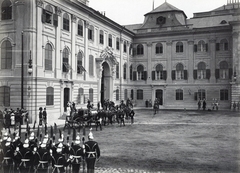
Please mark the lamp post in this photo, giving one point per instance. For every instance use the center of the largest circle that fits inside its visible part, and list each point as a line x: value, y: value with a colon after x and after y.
x: 22, y: 75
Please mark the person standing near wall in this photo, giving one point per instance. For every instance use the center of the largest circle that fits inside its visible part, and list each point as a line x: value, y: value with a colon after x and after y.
x: 45, y: 116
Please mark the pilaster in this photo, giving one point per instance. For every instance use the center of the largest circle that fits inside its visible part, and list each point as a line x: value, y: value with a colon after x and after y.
x: 190, y: 61
x: 149, y: 62
x: 169, y: 61
x: 212, y: 59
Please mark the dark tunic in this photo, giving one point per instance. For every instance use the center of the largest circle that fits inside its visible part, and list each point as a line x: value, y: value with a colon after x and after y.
x: 92, y: 154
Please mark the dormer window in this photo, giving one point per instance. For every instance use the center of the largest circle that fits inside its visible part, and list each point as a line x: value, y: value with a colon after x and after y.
x: 161, y: 20
x: 223, y: 22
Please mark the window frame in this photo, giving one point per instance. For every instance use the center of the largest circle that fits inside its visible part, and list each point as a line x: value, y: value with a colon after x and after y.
x: 6, y: 55
x: 201, y: 71
x: 6, y: 10
x: 49, y: 96
x: 5, y: 96
x: 80, y: 28
x: 140, y: 49
x: 224, y: 94
x: 65, y: 59
x: 48, y: 57
x: 66, y: 22
x: 179, y: 73
x: 159, y: 48
x: 179, y: 47
x: 139, y: 94
x: 179, y: 94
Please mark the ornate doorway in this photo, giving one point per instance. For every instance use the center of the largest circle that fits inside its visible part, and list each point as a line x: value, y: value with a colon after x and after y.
x: 105, y: 82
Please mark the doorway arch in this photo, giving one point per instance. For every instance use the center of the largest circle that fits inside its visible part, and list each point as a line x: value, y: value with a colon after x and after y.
x: 106, y: 82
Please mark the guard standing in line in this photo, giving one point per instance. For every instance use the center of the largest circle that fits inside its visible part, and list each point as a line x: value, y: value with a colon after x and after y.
x: 92, y: 153
x: 24, y: 156
x: 43, y: 157
x: 7, y: 152
x: 40, y: 116
x: 76, y: 154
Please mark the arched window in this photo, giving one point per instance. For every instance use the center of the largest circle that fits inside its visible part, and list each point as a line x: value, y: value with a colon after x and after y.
x: 5, y: 96
x: 117, y: 71
x: 91, y: 33
x: 49, y: 96
x: 117, y: 94
x: 117, y: 44
x: 223, y: 72
x: 140, y: 50
x: 125, y: 71
x: 91, y: 65
x: 80, y: 28
x: 66, y: 22
x: 179, y: 72
x: 6, y: 10
x: 80, y: 96
x: 224, y: 45
x: 65, y: 55
x: 6, y: 55
x: 49, y: 14
x: 101, y: 37
x: 91, y: 94
x: 159, y: 48
x: 140, y: 70
x: 125, y: 94
x: 201, y: 71
x: 125, y: 47
x: 48, y: 57
x: 80, y: 68
x: 139, y: 94
x: 179, y: 47
x: 202, y: 47
x: 131, y: 72
x: 159, y: 72
x: 110, y: 40
x: 179, y: 94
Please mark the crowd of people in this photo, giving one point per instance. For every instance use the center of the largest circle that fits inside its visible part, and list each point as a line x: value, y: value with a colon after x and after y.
x: 38, y: 155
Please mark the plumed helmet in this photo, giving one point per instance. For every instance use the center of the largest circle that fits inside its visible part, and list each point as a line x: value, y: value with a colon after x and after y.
x: 26, y: 143
x: 90, y: 135
x: 8, y: 141
x: 32, y: 136
x: 77, y: 141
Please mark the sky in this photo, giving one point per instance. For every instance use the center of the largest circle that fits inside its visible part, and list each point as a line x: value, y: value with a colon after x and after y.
x: 126, y: 12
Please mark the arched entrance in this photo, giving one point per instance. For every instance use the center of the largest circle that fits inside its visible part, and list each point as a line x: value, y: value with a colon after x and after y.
x: 159, y: 96
x: 105, y: 82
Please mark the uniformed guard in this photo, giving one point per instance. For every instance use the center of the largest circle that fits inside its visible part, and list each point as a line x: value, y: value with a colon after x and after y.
x: 7, y: 152
x: 92, y: 153
x: 32, y: 141
x: 76, y: 154
x: 131, y: 114
x: 43, y: 157
x: 25, y: 157
x: 59, y: 161
x: 98, y: 120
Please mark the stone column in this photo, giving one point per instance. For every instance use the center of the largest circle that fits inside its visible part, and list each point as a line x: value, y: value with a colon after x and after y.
x: 169, y: 61
x: 190, y: 61
x: 212, y: 60
x: 149, y: 62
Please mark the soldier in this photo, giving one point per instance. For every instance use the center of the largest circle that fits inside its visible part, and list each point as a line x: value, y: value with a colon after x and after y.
x: 58, y: 160
x: 32, y: 141
x: 40, y: 116
x: 92, y: 153
x: 43, y: 157
x: 45, y: 116
x: 24, y: 156
x: 98, y: 120
x: 7, y: 152
x: 76, y: 154
x: 131, y: 114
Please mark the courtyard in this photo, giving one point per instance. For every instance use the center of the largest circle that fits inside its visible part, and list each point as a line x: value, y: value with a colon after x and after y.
x: 171, y: 141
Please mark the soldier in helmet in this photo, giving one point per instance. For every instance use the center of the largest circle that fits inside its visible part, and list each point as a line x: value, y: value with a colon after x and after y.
x: 92, y: 153
x: 24, y: 156
x: 59, y: 161
x: 7, y: 153
x: 76, y: 154
x: 43, y: 157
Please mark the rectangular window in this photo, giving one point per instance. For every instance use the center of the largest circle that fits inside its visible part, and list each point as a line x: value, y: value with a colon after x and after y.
x: 101, y: 39
x: 224, y: 94
x: 139, y: 94
x: 117, y: 45
x: 110, y: 42
x: 201, y: 94
x: 90, y: 34
x: 5, y: 96
x: 179, y: 94
x: 50, y: 96
x: 80, y: 30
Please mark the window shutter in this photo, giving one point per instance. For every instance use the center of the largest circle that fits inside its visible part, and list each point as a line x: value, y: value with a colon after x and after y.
x: 217, y: 73
x: 194, y: 74
x: 43, y: 16
x: 217, y: 46
x: 206, y: 47
x: 134, y: 75
x: 208, y: 73
x: 173, y: 75
x: 164, y: 75
x: 230, y: 73
x: 55, y: 20
x: 195, y: 48
x: 185, y: 75
x: 145, y: 75
x: 153, y: 75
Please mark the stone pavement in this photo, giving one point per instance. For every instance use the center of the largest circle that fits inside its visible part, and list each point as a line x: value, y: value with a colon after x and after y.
x: 121, y: 170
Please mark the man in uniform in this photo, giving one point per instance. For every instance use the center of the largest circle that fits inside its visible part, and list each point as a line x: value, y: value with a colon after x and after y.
x: 92, y: 153
x: 7, y: 153
x: 76, y: 154
x: 24, y: 156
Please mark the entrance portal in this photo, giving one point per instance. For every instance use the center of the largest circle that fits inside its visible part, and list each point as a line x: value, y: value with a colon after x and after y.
x: 105, y: 82
x: 66, y: 98
x: 159, y: 96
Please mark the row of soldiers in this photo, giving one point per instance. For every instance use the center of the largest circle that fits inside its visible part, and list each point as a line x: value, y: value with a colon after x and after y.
x: 31, y: 155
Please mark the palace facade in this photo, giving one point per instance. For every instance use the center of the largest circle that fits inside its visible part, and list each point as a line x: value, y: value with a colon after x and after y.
x: 55, y: 51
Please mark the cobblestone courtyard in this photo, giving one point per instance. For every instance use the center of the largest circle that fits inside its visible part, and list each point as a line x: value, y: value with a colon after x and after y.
x: 172, y: 141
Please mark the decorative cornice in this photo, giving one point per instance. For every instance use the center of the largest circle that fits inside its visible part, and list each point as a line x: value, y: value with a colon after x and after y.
x: 58, y: 11
x: 74, y: 18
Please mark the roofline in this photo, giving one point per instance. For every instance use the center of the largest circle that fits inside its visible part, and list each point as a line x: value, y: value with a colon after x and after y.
x: 166, y: 12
